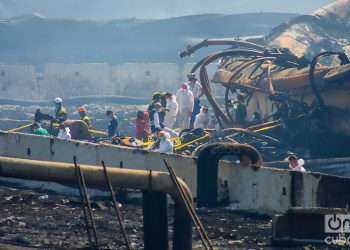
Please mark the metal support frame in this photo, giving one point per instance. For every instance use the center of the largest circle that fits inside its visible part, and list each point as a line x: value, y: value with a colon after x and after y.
x: 155, y: 220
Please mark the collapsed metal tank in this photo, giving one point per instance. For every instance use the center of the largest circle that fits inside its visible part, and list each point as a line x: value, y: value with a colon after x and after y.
x: 299, y: 76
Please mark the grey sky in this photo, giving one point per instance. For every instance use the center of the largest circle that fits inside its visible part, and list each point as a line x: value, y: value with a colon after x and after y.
x: 116, y: 9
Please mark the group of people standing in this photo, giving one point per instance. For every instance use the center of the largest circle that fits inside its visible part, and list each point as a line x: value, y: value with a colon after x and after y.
x: 61, y: 117
x: 166, y: 111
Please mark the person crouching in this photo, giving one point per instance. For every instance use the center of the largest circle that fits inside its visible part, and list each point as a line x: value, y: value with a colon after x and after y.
x: 165, y: 145
x: 63, y: 132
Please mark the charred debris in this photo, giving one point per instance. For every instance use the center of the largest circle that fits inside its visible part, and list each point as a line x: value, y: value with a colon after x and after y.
x: 307, y: 98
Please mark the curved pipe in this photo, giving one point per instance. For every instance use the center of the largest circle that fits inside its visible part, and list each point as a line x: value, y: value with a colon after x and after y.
x: 259, y: 61
x: 207, y: 162
x: 344, y: 60
x: 205, y: 81
x: 200, y: 62
x: 65, y: 173
x: 283, y: 59
x: 234, y: 52
x: 249, y: 63
x: 220, y: 42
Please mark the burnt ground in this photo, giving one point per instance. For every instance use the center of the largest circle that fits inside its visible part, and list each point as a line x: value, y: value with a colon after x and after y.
x: 49, y: 221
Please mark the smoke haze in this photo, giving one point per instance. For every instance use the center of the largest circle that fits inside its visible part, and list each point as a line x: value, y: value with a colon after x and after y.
x: 149, y: 9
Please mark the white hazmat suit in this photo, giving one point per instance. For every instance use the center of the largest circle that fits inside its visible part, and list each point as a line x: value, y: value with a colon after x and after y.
x: 165, y: 144
x: 64, y: 134
x: 185, y: 100
x: 202, y: 119
x: 171, y: 112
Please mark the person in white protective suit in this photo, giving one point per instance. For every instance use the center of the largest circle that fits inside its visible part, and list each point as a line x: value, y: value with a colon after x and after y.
x: 185, y: 99
x: 203, y: 118
x: 171, y: 110
x: 296, y: 164
x: 165, y: 144
x: 64, y: 132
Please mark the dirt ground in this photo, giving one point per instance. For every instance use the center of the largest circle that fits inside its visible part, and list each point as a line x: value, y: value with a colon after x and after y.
x: 34, y: 219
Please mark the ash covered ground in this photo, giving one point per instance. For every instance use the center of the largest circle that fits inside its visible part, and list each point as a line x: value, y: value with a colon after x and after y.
x: 33, y: 219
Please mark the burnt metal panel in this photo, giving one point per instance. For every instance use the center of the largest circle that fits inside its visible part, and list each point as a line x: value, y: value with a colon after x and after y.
x: 333, y: 191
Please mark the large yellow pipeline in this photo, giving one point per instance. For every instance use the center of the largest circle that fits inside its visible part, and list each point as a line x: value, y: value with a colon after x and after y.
x: 65, y: 173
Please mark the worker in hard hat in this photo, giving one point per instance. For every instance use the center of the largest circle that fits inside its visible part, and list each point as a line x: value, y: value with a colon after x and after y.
x: 83, y: 116
x: 185, y: 100
x: 60, y: 113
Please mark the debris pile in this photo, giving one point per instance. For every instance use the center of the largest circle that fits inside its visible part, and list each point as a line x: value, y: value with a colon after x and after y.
x: 327, y: 29
x: 299, y: 81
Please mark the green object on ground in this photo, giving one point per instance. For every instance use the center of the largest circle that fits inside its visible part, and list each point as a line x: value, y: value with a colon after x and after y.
x: 41, y: 131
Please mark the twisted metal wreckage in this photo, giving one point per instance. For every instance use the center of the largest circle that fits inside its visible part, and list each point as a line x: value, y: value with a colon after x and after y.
x: 304, y: 103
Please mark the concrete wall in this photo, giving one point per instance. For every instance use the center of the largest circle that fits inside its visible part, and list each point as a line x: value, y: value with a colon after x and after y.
x: 76, y: 79
x: 52, y: 149
x: 266, y: 190
x: 69, y: 80
x: 140, y: 79
x: 18, y: 81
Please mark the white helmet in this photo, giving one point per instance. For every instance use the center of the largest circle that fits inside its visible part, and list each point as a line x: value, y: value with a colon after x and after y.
x: 58, y: 100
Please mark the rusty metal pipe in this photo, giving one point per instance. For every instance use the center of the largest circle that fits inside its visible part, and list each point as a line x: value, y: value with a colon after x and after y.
x: 221, y: 42
x: 152, y: 181
x: 65, y: 173
x: 344, y: 60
